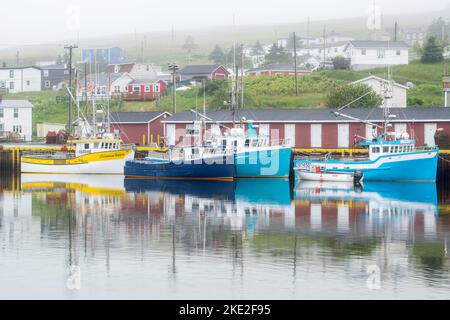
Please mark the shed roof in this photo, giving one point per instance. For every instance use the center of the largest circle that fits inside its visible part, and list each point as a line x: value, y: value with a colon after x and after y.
x: 200, y: 69
x: 380, y: 80
x: 136, y: 117
x: 315, y: 115
x: 15, y: 104
x: 279, y: 67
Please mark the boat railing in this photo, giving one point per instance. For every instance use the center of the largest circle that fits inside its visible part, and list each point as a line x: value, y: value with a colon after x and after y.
x: 45, y: 154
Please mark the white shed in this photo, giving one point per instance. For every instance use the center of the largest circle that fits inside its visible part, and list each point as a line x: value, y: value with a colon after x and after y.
x: 399, y: 95
x: 16, y: 117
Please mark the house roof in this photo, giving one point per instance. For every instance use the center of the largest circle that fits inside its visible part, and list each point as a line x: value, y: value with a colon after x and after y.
x: 144, y: 81
x: 316, y: 115
x: 200, y: 69
x: 18, y: 68
x: 136, y: 117
x: 278, y: 67
x: 123, y: 67
x: 15, y: 104
x: 327, y: 45
x: 103, y: 79
x: 380, y: 80
x: 367, y: 44
x: 55, y: 67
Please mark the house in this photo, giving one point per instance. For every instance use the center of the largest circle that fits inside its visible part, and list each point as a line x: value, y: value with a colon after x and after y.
x: 135, y: 70
x: 145, y: 90
x: 20, y: 79
x: 276, y: 69
x: 414, y: 36
x: 327, y: 51
x: 16, y: 119
x: 105, y: 55
x: 139, y: 127
x: 200, y: 73
x: 398, y: 95
x: 54, y: 77
x: 105, y: 86
x: 375, y: 54
x: 314, y: 128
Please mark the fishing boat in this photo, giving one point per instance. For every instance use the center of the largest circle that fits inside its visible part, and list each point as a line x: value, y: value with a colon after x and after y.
x: 187, y: 163
x: 255, y: 156
x: 82, y: 156
x: 318, y: 174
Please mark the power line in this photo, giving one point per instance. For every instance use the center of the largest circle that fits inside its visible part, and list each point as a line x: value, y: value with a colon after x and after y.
x: 70, y: 48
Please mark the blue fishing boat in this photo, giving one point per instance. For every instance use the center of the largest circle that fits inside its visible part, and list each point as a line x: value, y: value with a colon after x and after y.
x: 391, y: 158
x: 255, y: 156
x: 192, y: 163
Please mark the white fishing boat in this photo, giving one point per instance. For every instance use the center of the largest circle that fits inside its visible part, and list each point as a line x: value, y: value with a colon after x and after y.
x: 319, y: 175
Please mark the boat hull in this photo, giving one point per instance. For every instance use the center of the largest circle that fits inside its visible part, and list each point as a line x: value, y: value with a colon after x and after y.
x: 332, y: 177
x: 221, y: 168
x: 417, y: 166
x: 269, y: 163
x: 108, y: 163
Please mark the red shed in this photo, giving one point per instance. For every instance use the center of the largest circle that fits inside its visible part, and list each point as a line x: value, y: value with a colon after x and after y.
x: 136, y: 127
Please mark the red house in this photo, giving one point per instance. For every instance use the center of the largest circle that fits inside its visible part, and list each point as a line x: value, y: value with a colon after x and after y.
x: 139, y: 127
x: 145, y: 90
x: 200, y: 73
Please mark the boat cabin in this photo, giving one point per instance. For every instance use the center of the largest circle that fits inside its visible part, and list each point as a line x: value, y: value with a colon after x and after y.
x: 384, y: 147
x: 88, y: 146
x: 238, y: 140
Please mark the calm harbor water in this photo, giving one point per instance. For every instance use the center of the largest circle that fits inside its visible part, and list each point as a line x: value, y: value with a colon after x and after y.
x: 86, y: 237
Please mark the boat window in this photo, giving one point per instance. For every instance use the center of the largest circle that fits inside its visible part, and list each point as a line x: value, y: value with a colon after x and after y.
x: 385, y: 149
x: 96, y: 145
x: 376, y: 150
x: 86, y: 146
x: 195, y: 151
x: 254, y: 143
x: 247, y: 143
x: 396, y: 149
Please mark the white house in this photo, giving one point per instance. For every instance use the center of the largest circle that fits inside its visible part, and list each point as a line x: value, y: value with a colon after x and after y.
x: 398, y: 94
x: 104, y: 85
x: 332, y: 50
x: 375, y: 54
x: 16, y: 117
x: 135, y: 70
x: 17, y: 80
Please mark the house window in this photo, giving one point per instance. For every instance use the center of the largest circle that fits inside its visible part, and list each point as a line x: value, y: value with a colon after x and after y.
x: 16, y: 113
x: 11, y: 73
x: 2, y: 84
x: 157, y: 89
x: 117, y: 89
x: 381, y: 54
x: 147, y: 88
x: 11, y: 85
x: 17, y: 129
x: 148, y: 68
x: 47, y: 84
x: 398, y: 52
x: 2, y: 114
x: 363, y: 52
x: 45, y: 73
x: 28, y: 82
x: 2, y: 127
x: 192, y: 130
x: 136, y: 89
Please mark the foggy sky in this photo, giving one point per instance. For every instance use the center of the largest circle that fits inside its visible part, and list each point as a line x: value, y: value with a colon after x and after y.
x: 35, y: 21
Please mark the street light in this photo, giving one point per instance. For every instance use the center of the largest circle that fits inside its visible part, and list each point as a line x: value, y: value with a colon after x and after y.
x: 174, y: 68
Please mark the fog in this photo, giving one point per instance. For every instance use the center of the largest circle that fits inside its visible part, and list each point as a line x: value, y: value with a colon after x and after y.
x: 31, y: 21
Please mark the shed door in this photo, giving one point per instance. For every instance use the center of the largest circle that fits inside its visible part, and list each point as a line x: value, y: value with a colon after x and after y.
x: 264, y: 129
x: 343, y: 135
x: 401, y: 127
x: 289, y: 134
x: 430, y: 131
x: 215, y: 130
x: 316, y: 136
x: 170, y: 134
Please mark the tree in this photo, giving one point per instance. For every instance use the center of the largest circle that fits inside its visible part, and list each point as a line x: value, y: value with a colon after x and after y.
x: 189, y: 44
x: 59, y: 60
x: 258, y: 49
x: 432, y: 52
x: 217, y: 55
x: 278, y: 55
x: 239, y: 53
x: 341, y: 63
x: 439, y: 30
x: 340, y: 96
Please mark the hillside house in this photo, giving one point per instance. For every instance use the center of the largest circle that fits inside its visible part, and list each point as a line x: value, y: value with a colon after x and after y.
x: 135, y: 70
x: 16, y: 120
x: 199, y: 73
x: 106, y: 55
x: 55, y: 77
x: 375, y: 54
x: 105, y: 86
x: 398, y: 94
x: 145, y: 90
x: 20, y: 79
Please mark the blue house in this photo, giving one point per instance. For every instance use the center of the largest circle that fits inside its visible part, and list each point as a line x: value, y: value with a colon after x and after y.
x: 112, y: 55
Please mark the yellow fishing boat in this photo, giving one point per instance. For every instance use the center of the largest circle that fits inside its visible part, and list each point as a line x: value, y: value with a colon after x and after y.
x: 84, y: 156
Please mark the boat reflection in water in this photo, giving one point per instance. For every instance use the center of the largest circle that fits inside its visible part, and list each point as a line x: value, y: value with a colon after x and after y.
x: 103, y: 237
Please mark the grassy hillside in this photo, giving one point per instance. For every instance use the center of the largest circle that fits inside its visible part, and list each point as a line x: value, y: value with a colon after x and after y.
x: 263, y: 92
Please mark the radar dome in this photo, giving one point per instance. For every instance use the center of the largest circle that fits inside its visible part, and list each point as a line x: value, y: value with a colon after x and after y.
x: 405, y: 136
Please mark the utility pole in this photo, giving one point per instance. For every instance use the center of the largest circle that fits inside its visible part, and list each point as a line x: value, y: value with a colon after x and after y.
x: 242, y: 76
x: 395, y: 31
x: 174, y: 68
x: 324, y: 46
x: 85, y: 81
x: 295, y: 64
x: 70, y: 48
